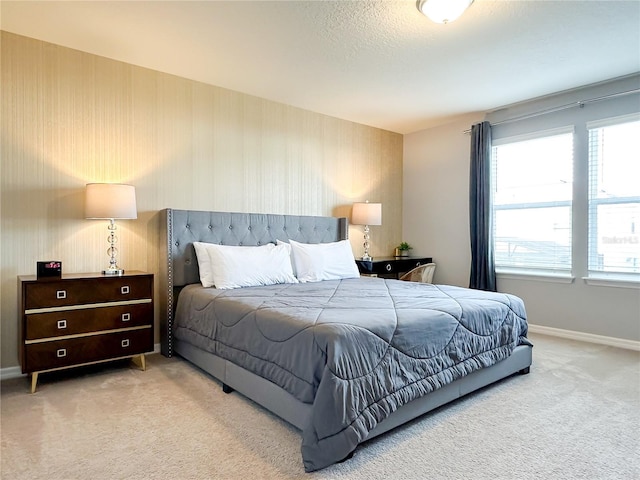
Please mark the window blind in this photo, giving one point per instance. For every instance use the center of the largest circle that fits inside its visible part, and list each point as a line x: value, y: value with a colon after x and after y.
x: 532, y: 202
x: 614, y: 196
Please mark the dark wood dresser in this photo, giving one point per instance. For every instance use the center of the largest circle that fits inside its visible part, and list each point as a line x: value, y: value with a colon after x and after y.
x: 81, y: 319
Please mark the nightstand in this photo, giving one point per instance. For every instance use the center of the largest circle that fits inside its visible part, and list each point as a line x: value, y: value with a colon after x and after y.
x: 82, y: 319
x: 390, y: 267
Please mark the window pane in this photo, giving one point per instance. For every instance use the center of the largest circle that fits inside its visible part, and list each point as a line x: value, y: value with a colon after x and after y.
x: 618, y: 247
x: 617, y: 160
x: 535, y: 238
x: 618, y: 241
x: 532, y: 203
x: 614, y: 198
x: 537, y: 170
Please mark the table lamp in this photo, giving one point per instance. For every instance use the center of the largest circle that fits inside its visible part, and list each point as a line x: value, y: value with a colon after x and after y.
x: 365, y: 213
x: 111, y: 201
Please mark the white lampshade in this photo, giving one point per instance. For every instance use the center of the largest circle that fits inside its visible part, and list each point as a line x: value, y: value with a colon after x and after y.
x: 366, y: 213
x: 443, y: 11
x: 110, y: 200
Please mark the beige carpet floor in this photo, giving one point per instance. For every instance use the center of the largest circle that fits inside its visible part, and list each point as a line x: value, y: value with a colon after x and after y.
x: 575, y: 416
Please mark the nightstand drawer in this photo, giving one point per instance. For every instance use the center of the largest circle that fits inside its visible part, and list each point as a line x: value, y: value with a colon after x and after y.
x: 385, y: 267
x: 71, y: 322
x: 390, y: 267
x: 395, y: 266
x: 406, y: 264
x: 74, y: 351
x: 52, y: 294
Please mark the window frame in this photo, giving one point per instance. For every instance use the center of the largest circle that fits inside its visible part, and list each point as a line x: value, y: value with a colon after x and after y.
x: 601, y: 277
x: 563, y: 275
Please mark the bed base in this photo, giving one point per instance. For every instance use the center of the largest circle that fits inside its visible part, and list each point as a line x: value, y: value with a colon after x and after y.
x: 290, y: 409
x: 252, y: 386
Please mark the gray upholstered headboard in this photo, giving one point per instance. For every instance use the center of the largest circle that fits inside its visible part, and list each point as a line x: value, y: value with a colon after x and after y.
x: 180, y: 228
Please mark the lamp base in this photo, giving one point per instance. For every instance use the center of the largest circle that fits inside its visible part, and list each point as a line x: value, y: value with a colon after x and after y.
x: 115, y: 271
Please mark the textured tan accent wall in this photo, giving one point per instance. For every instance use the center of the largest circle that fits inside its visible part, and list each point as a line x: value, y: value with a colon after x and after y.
x: 71, y: 118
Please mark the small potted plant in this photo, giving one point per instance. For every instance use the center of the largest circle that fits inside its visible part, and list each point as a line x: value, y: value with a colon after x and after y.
x: 402, y: 250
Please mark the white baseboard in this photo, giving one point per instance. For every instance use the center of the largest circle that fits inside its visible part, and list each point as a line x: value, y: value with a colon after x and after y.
x: 10, y: 372
x: 14, y: 372
x: 585, y: 337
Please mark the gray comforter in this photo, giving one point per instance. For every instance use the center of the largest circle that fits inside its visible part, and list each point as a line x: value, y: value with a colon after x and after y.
x: 357, y: 349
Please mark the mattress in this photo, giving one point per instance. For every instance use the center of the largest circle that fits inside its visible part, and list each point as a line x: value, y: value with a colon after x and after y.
x: 355, y: 349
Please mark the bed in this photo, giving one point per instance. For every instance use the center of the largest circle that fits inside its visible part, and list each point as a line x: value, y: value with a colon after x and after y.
x: 343, y: 359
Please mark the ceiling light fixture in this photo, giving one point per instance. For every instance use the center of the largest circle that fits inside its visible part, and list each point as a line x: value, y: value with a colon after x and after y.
x: 443, y: 11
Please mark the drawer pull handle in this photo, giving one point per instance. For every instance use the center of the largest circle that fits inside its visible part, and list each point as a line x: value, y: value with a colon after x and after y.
x: 125, y: 343
x: 62, y: 324
x: 61, y: 294
x: 124, y: 290
x: 62, y: 352
x: 388, y: 267
x: 126, y: 317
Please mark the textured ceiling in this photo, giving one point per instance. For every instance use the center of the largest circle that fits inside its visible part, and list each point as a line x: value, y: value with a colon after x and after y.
x: 379, y: 63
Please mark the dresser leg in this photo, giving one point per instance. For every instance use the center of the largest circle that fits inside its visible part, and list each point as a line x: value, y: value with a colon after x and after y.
x: 34, y: 381
x: 140, y: 361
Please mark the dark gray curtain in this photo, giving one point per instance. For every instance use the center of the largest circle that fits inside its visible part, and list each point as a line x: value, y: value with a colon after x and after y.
x: 483, y: 270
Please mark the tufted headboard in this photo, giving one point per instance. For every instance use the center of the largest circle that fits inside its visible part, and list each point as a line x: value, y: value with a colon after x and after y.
x: 180, y: 228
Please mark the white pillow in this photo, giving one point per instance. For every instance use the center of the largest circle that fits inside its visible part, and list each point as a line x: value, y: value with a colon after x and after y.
x: 288, y: 247
x: 230, y: 266
x: 204, y: 264
x: 314, y: 262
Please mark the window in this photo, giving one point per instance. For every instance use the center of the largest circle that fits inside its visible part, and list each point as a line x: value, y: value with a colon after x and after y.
x: 532, y: 202
x: 614, y: 196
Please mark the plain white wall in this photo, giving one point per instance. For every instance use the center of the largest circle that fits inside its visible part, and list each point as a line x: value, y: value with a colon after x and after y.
x: 436, y: 222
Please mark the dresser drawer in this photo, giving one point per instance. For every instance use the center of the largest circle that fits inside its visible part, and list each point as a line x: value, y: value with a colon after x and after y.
x: 52, y: 294
x: 73, y: 351
x: 71, y: 322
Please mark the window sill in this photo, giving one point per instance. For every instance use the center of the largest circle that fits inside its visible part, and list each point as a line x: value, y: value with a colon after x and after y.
x: 535, y: 276
x: 612, y: 282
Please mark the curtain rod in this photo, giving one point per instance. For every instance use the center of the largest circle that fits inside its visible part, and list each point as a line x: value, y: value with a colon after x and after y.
x: 580, y: 104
